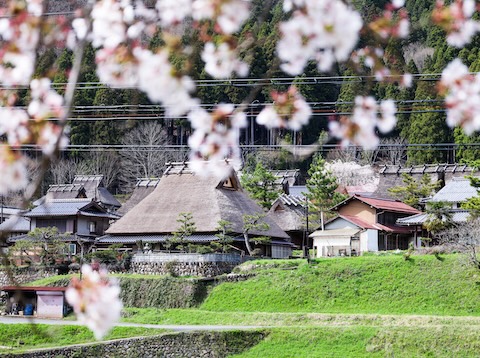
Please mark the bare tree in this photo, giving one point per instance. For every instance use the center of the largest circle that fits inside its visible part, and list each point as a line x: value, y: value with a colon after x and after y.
x: 142, y: 158
x: 64, y: 170
x: 103, y: 163
x: 393, y: 150
x: 465, y: 237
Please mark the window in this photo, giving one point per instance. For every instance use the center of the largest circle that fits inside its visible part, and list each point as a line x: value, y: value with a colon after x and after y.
x: 72, y: 249
x: 93, y: 227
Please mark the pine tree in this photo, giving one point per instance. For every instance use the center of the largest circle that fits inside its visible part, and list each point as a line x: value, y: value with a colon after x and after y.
x: 321, y: 194
x: 185, y: 229
x: 254, y: 222
x: 260, y: 184
x: 224, y: 239
x: 414, y: 190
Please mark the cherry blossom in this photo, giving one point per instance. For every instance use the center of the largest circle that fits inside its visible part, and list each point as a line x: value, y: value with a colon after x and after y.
x: 14, y: 172
x: 45, y: 102
x: 48, y: 137
x: 392, y: 23
x: 95, y: 300
x: 215, y: 139
x: 229, y: 15
x: 110, y: 18
x: 117, y: 66
x: 359, y: 129
x: 462, y: 96
x: 221, y: 61
x: 322, y: 30
x: 13, y: 124
x: 20, y: 34
x: 289, y: 110
x: 172, y: 12
x: 168, y: 87
x: 457, y: 20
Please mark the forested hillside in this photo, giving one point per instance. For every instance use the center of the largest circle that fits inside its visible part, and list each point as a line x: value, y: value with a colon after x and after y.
x: 105, y: 116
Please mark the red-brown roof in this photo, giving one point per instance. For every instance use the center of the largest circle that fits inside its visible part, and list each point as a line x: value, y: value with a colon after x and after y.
x: 382, y: 204
x: 32, y: 288
x: 365, y: 225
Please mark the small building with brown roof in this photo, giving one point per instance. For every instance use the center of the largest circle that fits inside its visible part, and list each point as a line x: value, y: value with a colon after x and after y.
x: 289, y: 212
x: 364, y: 224
x: 209, y: 200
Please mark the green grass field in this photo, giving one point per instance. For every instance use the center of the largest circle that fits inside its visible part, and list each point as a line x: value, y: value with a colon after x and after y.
x: 375, y: 306
x: 383, y: 284
x: 21, y: 337
x: 366, y: 341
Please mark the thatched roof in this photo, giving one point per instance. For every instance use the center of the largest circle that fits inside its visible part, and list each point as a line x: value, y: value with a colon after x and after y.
x: 143, y: 188
x: 207, y: 199
x: 289, y: 212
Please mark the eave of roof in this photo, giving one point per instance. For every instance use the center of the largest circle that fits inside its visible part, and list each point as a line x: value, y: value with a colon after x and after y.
x: 458, y: 216
x: 380, y: 203
x: 146, y: 238
x: 365, y: 225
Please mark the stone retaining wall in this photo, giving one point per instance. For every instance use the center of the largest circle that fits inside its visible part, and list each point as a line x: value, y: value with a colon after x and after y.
x: 202, y: 269
x: 25, y: 274
x: 175, y: 345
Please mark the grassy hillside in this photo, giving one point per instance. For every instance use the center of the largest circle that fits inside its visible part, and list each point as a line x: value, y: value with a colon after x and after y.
x: 361, y: 341
x: 370, y: 284
x: 15, y: 337
x: 149, y: 291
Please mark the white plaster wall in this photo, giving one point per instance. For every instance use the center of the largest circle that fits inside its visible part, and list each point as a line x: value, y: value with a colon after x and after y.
x: 340, y: 224
x: 369, y: 240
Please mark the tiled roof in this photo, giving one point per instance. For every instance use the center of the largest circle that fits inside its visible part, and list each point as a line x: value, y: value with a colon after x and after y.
x: 458, y: 216
x: 106, y: 198
x: 62, y: 237
x: 69, y: 207
x: 16, y: 224
x: 65, y: 188
x: 99, y: 214
x: 131, y: 239
x: 456, y: 190
x: 382, y: 204
x: 147, y: 182
x: 427, y: 169
x: 292, y: 200
x: 297, y: 190
x: 288, y: 175
x: 195, y: 238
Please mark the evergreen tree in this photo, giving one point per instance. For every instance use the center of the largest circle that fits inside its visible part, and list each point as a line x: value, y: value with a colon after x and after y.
x: 427, y: 126
x: 321, y: 194
x: 260, y: 184
x: 413, y: 190
x: 185, y: 229
x: 473, y: 204
x: 439, y: 217
x: 254, y: 222
x: 224, y: 238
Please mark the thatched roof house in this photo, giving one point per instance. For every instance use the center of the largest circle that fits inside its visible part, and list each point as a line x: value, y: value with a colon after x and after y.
x: 289, y: 212
x: 143, y: 188
x: 206, y: 198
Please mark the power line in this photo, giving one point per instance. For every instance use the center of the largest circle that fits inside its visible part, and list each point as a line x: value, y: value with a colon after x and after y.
x: 289, y: 147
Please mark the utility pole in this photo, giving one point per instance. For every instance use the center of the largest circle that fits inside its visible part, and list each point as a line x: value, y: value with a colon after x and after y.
x: 306, y: 253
